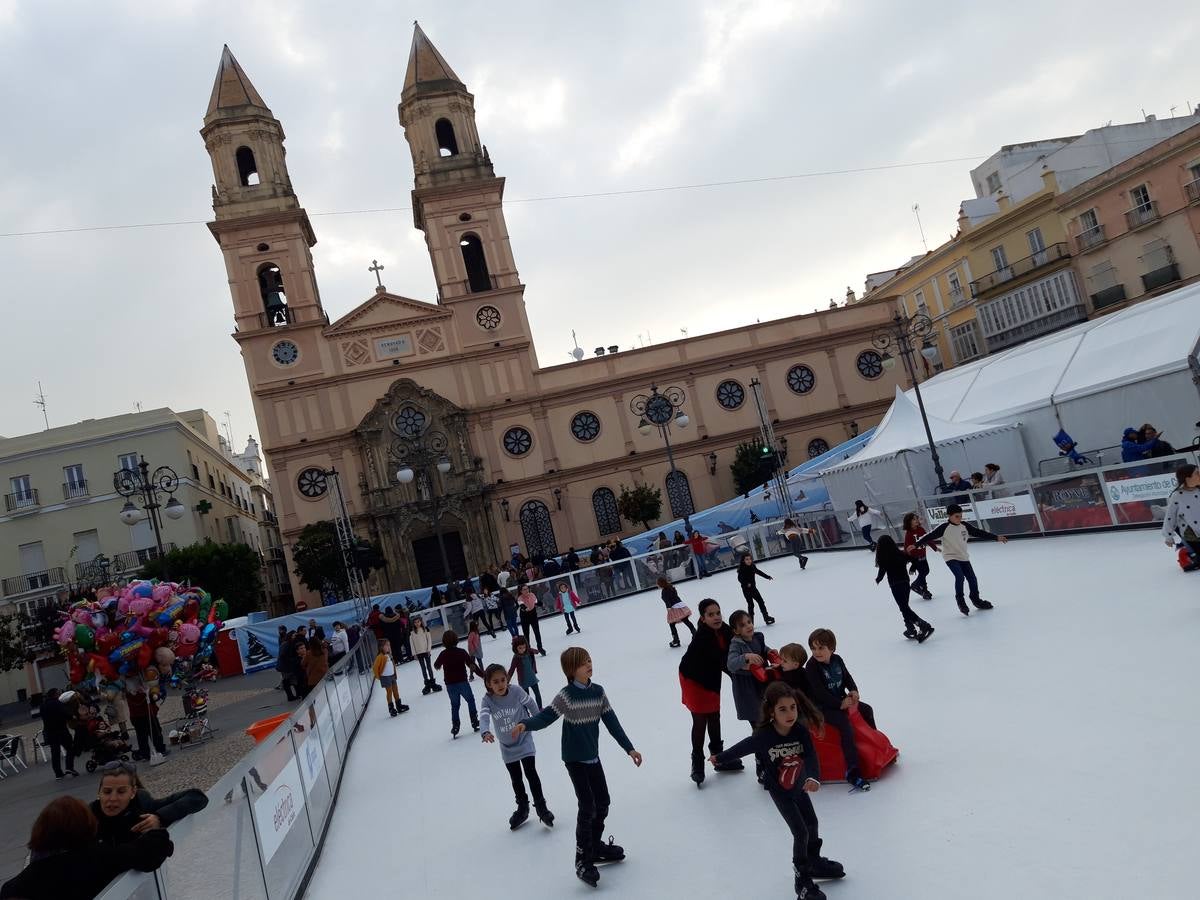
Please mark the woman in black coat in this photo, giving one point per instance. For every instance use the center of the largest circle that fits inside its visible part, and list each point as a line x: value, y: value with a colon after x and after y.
x: 124, y: 810
x: 700, y: 680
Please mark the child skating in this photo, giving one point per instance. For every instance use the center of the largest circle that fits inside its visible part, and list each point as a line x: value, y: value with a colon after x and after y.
x: 421, y: 642
x: 794, y: 535
x: 524, y: 664
x: 384, y: 671
x: 745, y: 575
x: 954, y: 534
x: 893, y: 563
x: 583, y: 705
x: 700, y: 670
x: 836, y: 693
x: 865, y: 518
x: 503, y: 706
x: 747, y: 651
x: 475, y: 646
x: 914, y: 530
x: 455, y: 663
x: 783, y: 748
x: 677, y: 610
x: 568, y: 602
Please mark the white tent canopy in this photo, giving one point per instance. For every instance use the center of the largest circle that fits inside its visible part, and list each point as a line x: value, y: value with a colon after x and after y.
x: 896, y: 461
x: 1094, y: 379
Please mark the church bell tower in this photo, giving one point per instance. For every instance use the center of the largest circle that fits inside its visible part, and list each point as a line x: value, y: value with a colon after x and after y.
x: 457, y: 199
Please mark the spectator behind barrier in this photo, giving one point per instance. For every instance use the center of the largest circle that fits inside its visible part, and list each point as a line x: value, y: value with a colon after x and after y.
x: 124, y: 810
x: 66, y: 862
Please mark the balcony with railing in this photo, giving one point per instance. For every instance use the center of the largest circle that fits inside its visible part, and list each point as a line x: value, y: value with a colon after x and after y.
x: 73, y: 490
x: 1141, y: 216
x: 22, y: 500
x: 133, y: 560
x: 1033, y: 263
x: 1089, y: 238
x: 1192, y: 189
x: 1161, y: 268
x: 34, y: 581
x: 957, y: 298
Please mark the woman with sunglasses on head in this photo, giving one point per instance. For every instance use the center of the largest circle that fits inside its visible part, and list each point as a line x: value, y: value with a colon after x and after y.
x: 125, y: 810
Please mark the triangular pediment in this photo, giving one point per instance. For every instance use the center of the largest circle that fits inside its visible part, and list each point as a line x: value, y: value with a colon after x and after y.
x: 386, y: 310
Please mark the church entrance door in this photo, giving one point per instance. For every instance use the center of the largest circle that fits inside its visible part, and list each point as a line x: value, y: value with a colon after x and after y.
x: 428, y: 558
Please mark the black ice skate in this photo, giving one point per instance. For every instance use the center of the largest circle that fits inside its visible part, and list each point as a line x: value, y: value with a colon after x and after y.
x: 803, y: 562
x: 584, y: 870
x: 545, y: 816
x: 674, y: 643
x: 856, y: 781
x: 910, y: 632
x: 437, y: 688
x: 401, y: 708
x: 926, y: 631
x: 518, y: 818
x: 805, y: 889
x: 821, y: 867
x: 392, y: 710
x: 454, y: 730
x: 607, y: 853
x: 427, y: 690
x: 980, y: 603
x: 962, y: 607
x: 698, y: 769
x: 737, y: 765
x: 475, y: 724
x: 768, y: 620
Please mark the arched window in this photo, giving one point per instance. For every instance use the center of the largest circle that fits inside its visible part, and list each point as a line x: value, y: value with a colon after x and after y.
x: 604, y: 505
x: 447, y: 144
x: 270, y: 286
x: 679, y: 493
x: 247, y: 168
x: 477, y: 271
x: 537, y: 530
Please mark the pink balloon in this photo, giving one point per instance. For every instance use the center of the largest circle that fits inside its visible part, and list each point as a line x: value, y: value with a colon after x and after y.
x: 162, y: 592
x: 140, y: 607
x: 189, y: 633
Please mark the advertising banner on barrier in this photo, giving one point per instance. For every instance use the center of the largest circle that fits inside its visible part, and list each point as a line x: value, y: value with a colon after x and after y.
x: 344, y: 695
x: 278, y: 808
x: 314, y: 757
x: 1140, y: 490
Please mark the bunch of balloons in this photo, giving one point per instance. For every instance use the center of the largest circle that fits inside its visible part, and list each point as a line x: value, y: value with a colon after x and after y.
x: 158, y: 630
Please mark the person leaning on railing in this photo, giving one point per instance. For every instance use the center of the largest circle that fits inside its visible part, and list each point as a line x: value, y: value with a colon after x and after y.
x: 67, y: 862
x: 124, y: 810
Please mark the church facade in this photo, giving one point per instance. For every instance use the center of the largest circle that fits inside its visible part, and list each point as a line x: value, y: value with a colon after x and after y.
x: 450, y: 441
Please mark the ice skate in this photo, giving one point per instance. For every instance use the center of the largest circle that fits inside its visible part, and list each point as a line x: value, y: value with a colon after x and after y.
x: 821, y: 867
x: 607, y: 853
x: 391, y: 710
x: 674, y: 643
x: 474, y: 723
x: 962, y: 607
x: 454, y: 730
x: 584, y: 870
x: 737, y: 765
x: 910, y: 632
x: 698, y: 769
x: 401, y: 708
x: 926, y: 631
x: 803, y: 563
x: 768, y: 620
x: 805, y: 889
x: 980, y: 603
x: 427, y: 690
x: 518, y: 818
x: 856, y: 781
x: 545, y: 816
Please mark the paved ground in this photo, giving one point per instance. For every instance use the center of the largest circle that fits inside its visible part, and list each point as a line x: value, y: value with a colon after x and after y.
x: 233, y: 704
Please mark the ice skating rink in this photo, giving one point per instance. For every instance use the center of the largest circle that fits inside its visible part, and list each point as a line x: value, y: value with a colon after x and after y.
x: 1047, y: 748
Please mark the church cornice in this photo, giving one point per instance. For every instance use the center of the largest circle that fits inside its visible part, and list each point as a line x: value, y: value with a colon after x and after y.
x: 279, y: 217
x: 411, y: 311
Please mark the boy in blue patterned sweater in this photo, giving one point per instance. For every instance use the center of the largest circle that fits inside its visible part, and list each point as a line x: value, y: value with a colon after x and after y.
x: 583, y: 705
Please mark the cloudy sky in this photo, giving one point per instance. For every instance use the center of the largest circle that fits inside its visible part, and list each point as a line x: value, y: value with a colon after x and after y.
x: 102, y: 103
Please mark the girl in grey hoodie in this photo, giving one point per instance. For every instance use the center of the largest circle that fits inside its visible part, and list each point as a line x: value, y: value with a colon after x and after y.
x: 504, y: 705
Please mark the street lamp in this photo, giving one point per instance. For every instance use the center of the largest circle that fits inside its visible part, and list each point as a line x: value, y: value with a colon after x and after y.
x: 660, y: 410
x: 904, y: 334
x: 420, y: 455
x: 139, y: 484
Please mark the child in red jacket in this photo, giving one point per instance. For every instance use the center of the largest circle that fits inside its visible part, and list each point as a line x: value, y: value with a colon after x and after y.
x: 567, y: 602
x: 913, y: 532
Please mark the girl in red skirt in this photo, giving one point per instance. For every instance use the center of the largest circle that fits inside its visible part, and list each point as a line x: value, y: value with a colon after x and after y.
x: 677, y: 610
x: 700, y: 679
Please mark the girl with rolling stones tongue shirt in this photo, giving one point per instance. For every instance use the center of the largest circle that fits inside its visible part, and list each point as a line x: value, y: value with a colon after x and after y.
x: 784, y: 747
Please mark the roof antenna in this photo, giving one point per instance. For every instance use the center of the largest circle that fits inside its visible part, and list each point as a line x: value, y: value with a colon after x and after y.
x: 917, y: 213
x: 577, y: 353
x: 40, y: 400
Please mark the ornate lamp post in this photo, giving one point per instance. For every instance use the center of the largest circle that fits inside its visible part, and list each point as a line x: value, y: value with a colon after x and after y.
x: 418, y: 456
x: 905, y: 334
x: 138, y: 483
x: 661, y: 410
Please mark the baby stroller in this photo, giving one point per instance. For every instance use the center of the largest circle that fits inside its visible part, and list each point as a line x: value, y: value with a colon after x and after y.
x: 193, y: 728
x: 107, y: 746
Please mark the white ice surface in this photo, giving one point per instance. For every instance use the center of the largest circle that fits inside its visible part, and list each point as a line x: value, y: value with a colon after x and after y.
x: 1047, y: 748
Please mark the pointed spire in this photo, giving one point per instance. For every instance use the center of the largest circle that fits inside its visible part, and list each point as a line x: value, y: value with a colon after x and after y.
x: 427, y: 69
x: 232, y: 88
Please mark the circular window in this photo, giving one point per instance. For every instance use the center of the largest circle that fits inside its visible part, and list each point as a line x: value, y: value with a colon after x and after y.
x: 312, y: 484
x: 730, y: 394
x: 585, y: 426
x: 488, y: 318
x: 870, y: 364
x: 518, y: 441
x: 285, y: 353
x: 800, y: 379
x: 816, y: 447
x: 409, y: 422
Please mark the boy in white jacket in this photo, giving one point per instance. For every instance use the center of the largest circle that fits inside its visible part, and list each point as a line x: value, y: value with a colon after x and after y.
x: 954, y: 534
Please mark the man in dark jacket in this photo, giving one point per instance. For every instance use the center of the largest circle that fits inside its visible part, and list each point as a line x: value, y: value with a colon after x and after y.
x: 57, y: 735
x: 571, y: 560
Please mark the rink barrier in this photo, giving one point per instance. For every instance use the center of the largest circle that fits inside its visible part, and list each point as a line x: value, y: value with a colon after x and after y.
x: 267, y: 817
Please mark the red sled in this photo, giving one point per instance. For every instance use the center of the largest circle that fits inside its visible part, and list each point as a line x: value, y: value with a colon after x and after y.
x: 875, y: 751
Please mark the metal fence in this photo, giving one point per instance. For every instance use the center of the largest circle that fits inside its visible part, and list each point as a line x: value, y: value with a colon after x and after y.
x: 259, y: 835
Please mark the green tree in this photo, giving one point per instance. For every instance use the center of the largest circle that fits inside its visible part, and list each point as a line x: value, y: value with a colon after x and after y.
x: 12, y: 644
x: 751, y: 467
x: 230, y: 572
x: 642, y: 504
x: 318, y: 557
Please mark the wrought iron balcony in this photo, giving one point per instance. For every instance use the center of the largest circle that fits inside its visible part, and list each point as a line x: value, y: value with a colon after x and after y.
x: 1163, y: 275
x: 1192, y: 189
x: 1108, y: 296
x: 133, y: 560
x: 1140, y: 216
x: 22, y: 500
x: 957, y: 297
x: 1031, y: 263
x: 75, y: 489
x: 1092, y: 237
x: 34, y: 581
